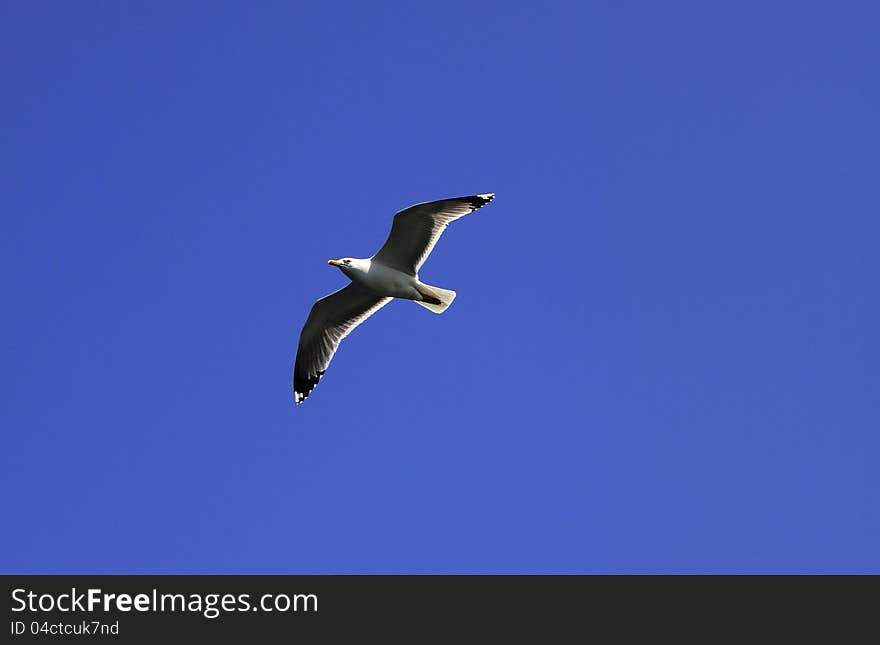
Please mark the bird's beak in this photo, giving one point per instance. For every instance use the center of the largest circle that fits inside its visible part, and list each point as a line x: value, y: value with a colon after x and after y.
x: 335, y: 263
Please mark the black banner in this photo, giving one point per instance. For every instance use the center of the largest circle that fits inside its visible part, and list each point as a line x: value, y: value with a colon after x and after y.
x: 136, y: 608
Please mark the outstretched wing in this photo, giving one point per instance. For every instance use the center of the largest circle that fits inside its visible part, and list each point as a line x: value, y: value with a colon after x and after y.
x: 331, y: 319
x: 416, y: 230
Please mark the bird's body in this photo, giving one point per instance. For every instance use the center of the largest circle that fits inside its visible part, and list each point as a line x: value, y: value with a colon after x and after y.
x: 382, y: 280
x: 391, y: 273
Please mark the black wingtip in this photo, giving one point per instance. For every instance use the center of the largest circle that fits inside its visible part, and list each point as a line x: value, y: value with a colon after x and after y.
x: 478, y: 201
x: 304, y: 385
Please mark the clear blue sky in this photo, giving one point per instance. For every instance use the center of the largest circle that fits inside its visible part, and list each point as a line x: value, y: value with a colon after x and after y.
x: 663, y: 356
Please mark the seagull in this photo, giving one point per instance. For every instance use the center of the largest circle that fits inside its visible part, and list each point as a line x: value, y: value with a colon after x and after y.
x: 393, y: 272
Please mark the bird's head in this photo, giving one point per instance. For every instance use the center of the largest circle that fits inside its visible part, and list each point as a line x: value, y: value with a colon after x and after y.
x: 348, y: 265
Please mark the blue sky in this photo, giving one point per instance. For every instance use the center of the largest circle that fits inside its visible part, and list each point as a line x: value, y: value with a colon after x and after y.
x: 663, y: 354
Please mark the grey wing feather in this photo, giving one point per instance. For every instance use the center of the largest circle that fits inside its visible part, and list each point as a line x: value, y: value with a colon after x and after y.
x: 416, y: 230
x: 331, y: 319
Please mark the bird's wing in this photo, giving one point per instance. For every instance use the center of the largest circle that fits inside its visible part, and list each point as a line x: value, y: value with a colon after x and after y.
x: 416, y: 230
x: 331, y: 319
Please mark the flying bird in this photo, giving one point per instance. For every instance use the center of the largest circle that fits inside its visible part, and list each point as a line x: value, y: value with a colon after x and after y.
x: 393, y: 272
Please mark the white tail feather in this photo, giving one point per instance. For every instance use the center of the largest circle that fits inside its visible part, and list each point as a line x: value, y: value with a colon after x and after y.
x: 445, y: 296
